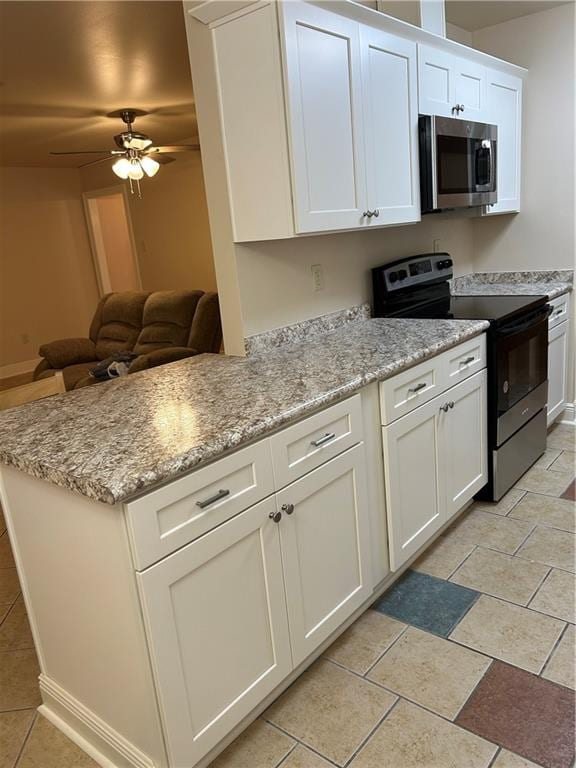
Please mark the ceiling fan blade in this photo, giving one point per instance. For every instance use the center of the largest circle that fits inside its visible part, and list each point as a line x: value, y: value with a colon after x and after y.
x: 91, y: 152
x: 164, y: 159
x: 173, y: 148
x: 95, y: 162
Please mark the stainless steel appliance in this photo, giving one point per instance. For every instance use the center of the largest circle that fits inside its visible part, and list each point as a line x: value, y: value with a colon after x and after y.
x: 517, y: 347
x: 457, y: 163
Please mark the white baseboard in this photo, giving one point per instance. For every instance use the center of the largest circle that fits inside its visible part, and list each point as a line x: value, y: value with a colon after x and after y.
x: 94, y: 736
x: 568, y: 414
x: 16, y: 369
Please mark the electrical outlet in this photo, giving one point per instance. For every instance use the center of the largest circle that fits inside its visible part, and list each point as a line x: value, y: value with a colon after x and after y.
x: 437, y: 246
x: 317, y: 276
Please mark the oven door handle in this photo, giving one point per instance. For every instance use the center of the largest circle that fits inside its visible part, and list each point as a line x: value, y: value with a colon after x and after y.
x: 509, y: 330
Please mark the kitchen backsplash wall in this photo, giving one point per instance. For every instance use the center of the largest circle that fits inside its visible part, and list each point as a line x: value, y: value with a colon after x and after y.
x: 284, y: 268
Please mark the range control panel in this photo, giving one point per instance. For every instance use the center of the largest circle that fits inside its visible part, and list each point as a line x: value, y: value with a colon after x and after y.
x: 412, y: 272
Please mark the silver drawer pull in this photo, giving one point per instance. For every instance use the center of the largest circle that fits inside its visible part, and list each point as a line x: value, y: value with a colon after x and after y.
x: 559, y: 312
x: 324, y: 439
x: 222, y: 493
x: 418, y: 387
x: 468, y: 360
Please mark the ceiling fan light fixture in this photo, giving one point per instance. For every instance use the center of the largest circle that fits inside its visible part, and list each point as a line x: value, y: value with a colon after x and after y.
x: 122, y: 168
x: 139, y: 143
x: 149, y: 165
x: 136, y: 172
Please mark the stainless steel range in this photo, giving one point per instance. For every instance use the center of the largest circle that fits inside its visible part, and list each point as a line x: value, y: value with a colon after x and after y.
x: 517, y: 346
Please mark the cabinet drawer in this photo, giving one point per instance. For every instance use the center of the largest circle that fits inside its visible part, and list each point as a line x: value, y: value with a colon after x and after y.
x: 560, y: 310
x: 166, y: 519
x: 464, y: 360
x: 411, y: 388
x: 308, y: 444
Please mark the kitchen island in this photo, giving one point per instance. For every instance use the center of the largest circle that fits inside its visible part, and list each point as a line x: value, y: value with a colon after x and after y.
x: 190, y: 538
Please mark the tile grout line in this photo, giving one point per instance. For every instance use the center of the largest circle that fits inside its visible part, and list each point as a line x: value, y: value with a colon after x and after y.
x: 25, y: 740
x: 284, y: 759
x: 365, y: 741
x: 302, y: 743
x: 392, y: 644
x: 402, y: 696
x: 542, y: 582
x: 496, y: 755
x: 476, y: 546
x: 554, y: 647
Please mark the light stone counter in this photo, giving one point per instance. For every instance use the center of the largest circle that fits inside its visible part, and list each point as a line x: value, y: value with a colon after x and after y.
x: 115, y: 440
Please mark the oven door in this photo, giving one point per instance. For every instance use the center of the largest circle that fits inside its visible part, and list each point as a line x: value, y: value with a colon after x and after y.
x: 464, y: 162
x: 521, y: 352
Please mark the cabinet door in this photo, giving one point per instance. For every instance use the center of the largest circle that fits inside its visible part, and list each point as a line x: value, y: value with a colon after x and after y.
x: 557, y: 370
x: 414, y: 483
x: 324, y: 100
x: 446, y: 80
x: 216, y: 617
x: 464, y: 449
x: 436, y: 95
x: 325, y: 549
x: 389, y: 76
x: 505, y: 111
x: 470, y: 90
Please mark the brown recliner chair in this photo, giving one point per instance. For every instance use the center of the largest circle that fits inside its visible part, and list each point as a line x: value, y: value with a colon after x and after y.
x: 159, y: 327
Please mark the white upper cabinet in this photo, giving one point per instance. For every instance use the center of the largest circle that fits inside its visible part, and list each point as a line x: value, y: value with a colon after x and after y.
x: 389, y: 74
x: 505, y: 111
x: 308, y: 113
x: 451, y: 86
x: 323, y: 89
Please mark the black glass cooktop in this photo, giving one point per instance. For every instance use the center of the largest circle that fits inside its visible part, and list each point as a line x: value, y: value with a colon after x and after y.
x: 495, y: 309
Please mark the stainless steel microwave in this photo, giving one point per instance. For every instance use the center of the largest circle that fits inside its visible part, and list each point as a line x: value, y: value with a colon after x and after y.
x: 457, y: 163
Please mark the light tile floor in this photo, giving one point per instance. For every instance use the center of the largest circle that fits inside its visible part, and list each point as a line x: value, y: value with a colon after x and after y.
x: 479, y: 674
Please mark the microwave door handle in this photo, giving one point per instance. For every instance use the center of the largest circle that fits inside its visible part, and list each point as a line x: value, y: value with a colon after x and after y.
x: 492, y: 180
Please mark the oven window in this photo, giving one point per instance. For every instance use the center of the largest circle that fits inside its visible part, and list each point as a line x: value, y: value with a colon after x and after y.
x: 522, y: 365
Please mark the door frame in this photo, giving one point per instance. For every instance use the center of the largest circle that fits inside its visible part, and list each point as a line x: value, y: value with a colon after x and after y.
x: 95, y: 235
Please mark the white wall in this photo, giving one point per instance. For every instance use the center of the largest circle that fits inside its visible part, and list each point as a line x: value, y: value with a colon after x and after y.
x: 276, y: 285
x: 542, y: 235
x: 48, y: 287
x: 170, y: 224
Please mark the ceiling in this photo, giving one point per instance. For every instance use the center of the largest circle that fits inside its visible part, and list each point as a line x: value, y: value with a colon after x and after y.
x: 476, y: 14
x: 65, y: 65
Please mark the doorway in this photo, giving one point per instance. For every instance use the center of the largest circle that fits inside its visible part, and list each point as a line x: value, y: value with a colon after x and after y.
x: 112, y: 240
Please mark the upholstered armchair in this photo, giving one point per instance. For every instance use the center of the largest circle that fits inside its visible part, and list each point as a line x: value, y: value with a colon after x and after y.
x: 159, y: 327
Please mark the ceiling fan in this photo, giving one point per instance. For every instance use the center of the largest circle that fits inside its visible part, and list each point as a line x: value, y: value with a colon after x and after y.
x: 136, y: 154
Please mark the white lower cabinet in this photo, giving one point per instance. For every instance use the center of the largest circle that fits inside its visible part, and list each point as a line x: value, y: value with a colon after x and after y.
x: 325, y: 549
x: 216, y: 618
x: 435, y: 461
x: 464, y: 442
x: 231, y: 614
x: 413, y: 481
x: 557, y: 370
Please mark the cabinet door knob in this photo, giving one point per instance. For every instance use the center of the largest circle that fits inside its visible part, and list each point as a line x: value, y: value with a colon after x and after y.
x: 276, y: 516
x: 451, y: 404
x: 445, y: 407
x: 367, y: 214
x: 376, y: 213
x: 288, y: 508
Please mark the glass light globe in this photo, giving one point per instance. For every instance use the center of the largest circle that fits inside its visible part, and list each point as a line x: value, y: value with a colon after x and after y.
x: 135, y: 172
x: 149, y: 165
x: 122, y: 168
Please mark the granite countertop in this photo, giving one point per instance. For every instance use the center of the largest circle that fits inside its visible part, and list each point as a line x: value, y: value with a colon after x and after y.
x: 550, y: 283
x: 113, y: 441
